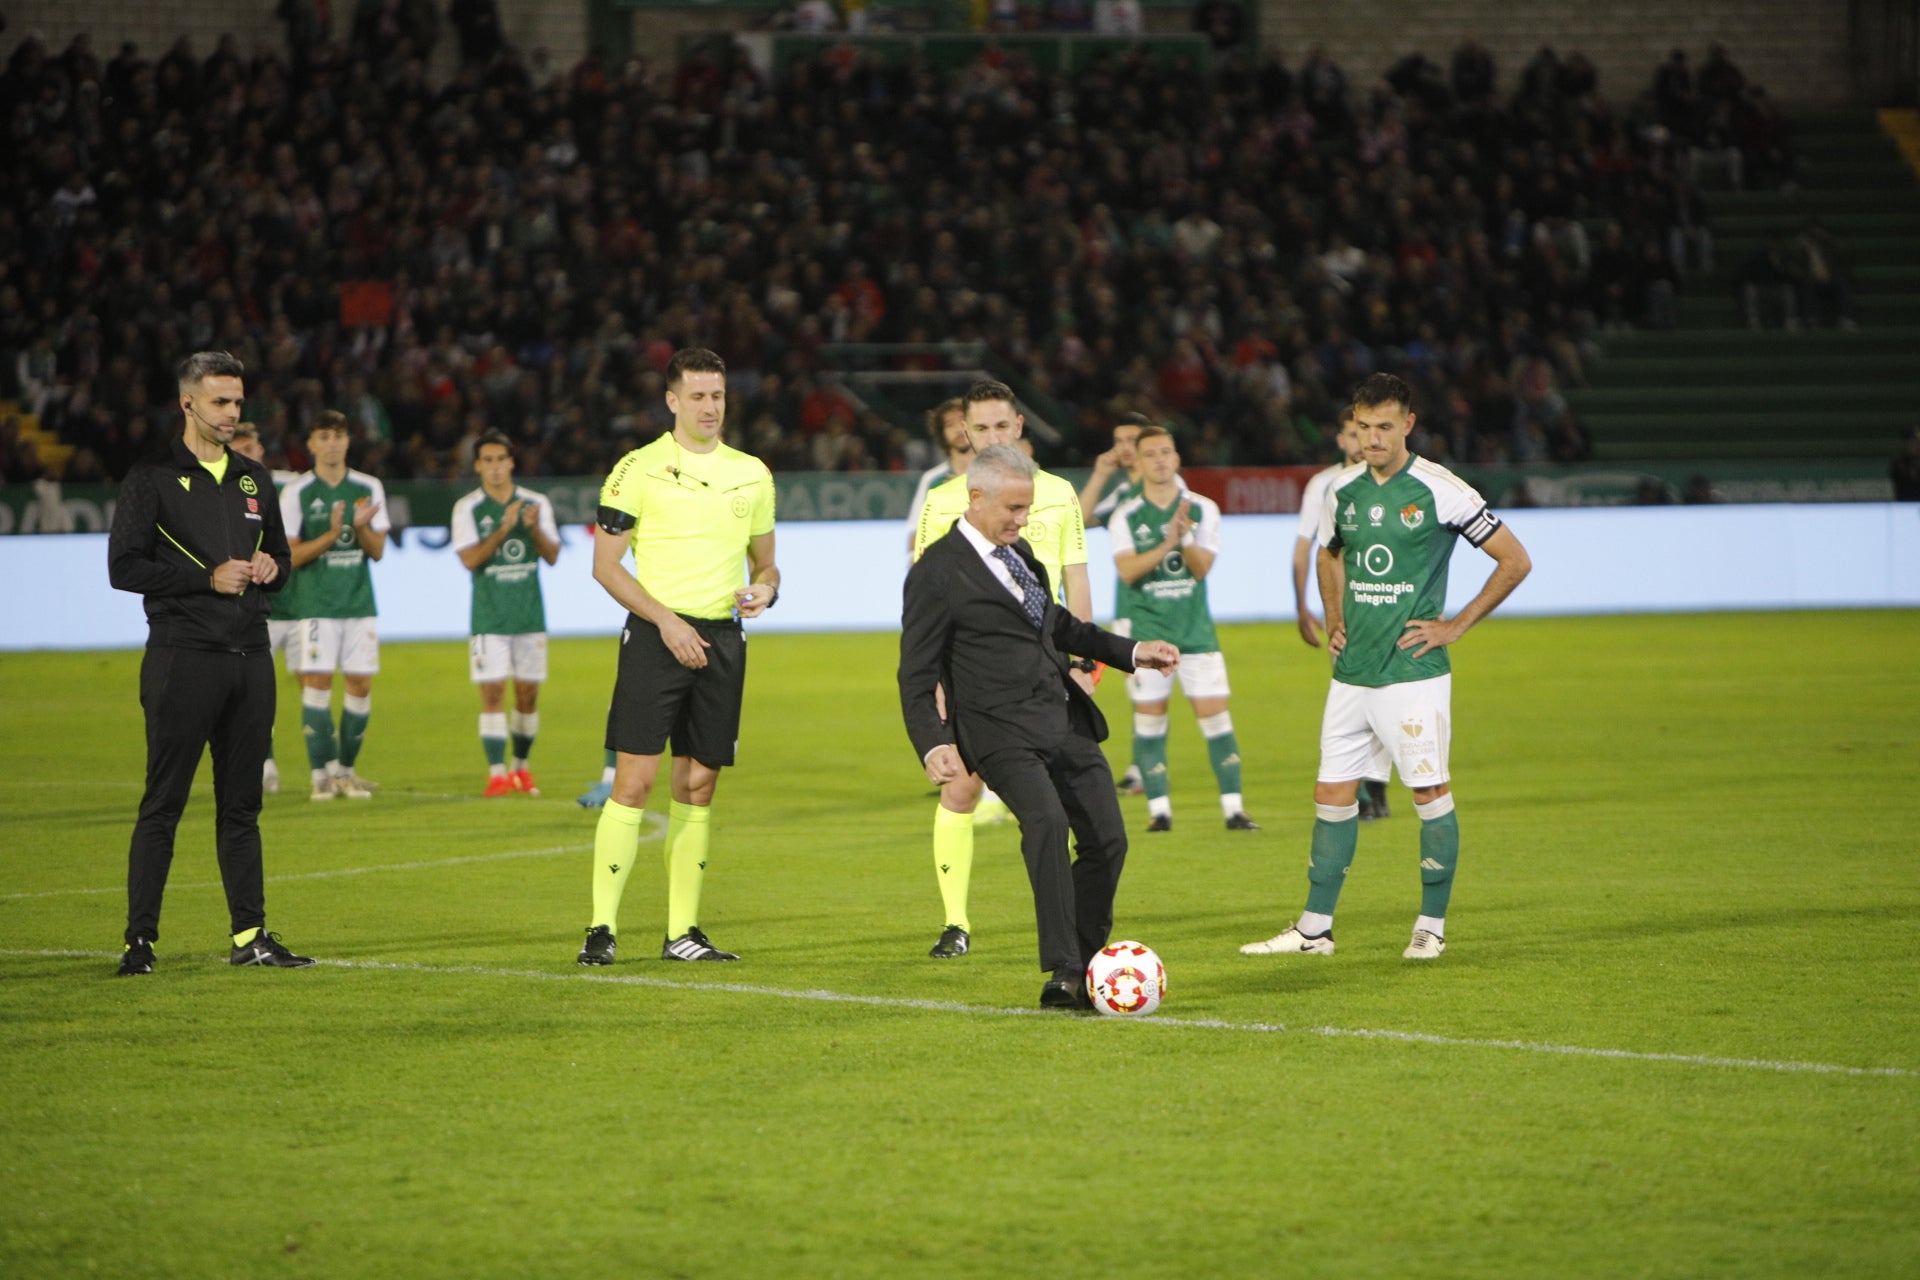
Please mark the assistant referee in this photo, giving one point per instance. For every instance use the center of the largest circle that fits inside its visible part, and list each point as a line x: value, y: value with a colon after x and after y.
x: 198, y: 534
x: 694, y: 512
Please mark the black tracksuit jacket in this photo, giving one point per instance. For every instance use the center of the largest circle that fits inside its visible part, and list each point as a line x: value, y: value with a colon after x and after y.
x: 173, y: 525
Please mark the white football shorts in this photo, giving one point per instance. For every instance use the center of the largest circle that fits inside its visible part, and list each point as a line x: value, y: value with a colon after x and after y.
x: 1201, y: 675
x: 522, y: 658
x: 284, y: 633
x: 1408, y: 726
x: 324, y: 645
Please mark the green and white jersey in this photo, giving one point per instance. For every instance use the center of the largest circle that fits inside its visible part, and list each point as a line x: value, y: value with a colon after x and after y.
x: 506, y: 589
x: 1396, y: 540
x: 1126, y: 491
x: 286, y: 601
x: 1169, y: 603
x: 338, y: 584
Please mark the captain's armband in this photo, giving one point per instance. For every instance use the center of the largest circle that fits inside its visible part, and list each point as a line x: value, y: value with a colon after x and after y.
x: 615, y: 521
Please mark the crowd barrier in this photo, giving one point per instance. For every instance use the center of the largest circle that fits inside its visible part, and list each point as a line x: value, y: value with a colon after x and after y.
x: 846, y: 575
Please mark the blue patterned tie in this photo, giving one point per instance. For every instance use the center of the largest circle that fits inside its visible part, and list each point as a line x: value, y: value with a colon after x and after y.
x: 1032, y: 599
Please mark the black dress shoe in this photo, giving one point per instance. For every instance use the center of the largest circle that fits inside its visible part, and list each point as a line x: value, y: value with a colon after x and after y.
x: 953, y: 943
x: 1065, y: 990
x: 1161, y: 822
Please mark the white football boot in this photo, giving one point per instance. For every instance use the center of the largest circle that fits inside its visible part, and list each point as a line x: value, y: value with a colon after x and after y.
x: 1290, y: 941
x: 1425, y: 946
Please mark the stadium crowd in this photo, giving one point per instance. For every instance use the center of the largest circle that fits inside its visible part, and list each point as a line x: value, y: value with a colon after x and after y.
x: 522, y: 249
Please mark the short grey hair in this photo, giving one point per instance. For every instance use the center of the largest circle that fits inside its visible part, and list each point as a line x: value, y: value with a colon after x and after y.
x: 201, y: 365
x: 992, y: 467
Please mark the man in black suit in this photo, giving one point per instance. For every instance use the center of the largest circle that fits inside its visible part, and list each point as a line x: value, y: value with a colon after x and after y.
x: 980, y: 621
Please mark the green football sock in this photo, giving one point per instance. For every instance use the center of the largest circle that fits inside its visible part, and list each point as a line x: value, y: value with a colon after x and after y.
x: 354, y: 714
x: 245, y: 936
x: 1150, y: 757
x: 493, y: 738
x: 1336, y: 832
x: 616, y: 841
x: 526, y: 725
x: 1223, y: 753
x: 1439, y: 855
x: 687, y: 827
x: 953, y: 861
x: 316, y: 725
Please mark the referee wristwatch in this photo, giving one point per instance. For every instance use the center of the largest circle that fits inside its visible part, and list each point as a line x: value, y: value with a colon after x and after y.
x: 1087, y: 665
x: 772, y: 600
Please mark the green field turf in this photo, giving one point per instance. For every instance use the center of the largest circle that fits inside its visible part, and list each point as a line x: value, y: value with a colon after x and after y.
x: 1676, y: 1034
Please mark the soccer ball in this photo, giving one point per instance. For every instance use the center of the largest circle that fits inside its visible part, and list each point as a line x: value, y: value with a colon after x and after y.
x: 1126, y: 979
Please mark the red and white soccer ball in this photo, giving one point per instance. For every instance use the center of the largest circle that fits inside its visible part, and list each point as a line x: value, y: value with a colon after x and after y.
x: 1126, y: 980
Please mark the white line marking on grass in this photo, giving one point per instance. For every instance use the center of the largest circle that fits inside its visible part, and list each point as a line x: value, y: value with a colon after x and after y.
x: 653, y: 828
x: 1195, y: 1024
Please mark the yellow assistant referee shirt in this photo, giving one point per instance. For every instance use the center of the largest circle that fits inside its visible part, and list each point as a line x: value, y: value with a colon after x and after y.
x: 1054, y: 529
x: 694, y: 514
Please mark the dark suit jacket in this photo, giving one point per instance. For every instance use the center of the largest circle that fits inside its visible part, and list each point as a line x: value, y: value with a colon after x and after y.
x: 1006, y: 683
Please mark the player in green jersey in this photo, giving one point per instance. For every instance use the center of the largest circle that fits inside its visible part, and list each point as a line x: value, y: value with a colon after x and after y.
x: 1059, y: 541
x: 1373, y: 791
x: 1098, y: 499
x: 501, y: 532
x: 1165, y: 541
x: 1386, y: 535
x: 698, y: 518
x: 334, y: 603
x: 281, y: 625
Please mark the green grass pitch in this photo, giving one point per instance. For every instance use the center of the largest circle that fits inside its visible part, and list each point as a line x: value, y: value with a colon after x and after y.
x: 1677, y: 1032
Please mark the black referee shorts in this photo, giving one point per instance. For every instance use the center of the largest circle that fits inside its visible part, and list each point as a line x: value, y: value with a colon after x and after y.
x: 656, y: 701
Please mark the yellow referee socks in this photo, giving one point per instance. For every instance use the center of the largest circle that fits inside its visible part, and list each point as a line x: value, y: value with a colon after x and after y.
x: 687, y: 829
x: 616, y: 841
x: 953, y: 861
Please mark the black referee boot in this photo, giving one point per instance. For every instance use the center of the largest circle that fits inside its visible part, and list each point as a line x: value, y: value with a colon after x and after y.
x: 137, y: 959
x: 266, y: 951
x: 693, y: 945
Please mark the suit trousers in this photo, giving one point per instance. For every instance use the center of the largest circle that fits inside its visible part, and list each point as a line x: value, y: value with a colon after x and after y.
x: 193, y: 698
x: 1054, y: 791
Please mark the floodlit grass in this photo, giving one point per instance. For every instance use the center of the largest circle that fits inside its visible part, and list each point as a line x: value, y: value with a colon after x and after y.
x: 1685, y: 836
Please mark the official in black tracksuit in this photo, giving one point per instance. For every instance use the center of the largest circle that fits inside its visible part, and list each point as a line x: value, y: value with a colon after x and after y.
x: 198, y: 534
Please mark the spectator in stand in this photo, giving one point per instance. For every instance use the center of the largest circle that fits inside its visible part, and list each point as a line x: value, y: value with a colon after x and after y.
x: 1905, y: 469
x: 1820, y: 275
x: 1473, y: 74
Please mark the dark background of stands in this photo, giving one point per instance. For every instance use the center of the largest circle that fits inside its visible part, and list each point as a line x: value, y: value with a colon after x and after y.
x: 1671, y: 269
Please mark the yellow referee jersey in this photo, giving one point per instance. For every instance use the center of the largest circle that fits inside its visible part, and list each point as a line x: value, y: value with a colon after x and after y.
x: 1054, y: 529
x: 694, y: 514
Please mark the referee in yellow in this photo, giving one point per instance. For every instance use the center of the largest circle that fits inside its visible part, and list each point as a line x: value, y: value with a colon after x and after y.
x: 693, y: 511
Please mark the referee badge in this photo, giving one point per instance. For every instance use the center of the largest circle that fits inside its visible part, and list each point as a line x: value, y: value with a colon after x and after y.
x: 739, y: 505
x: 247, y: 485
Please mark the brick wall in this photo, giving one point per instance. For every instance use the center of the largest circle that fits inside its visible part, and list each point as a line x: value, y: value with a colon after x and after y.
x: 561, y: 27
x: 1796, y: 48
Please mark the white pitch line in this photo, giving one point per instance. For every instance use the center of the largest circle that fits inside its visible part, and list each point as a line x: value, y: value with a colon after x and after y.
x: 653, y: 826
x: 1194, y: 1024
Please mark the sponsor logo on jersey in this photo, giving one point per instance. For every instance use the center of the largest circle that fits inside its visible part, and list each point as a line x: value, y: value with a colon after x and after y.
x: 186, y: 482
x: 1376, y: 513
x: 247, y: 485
x: 486, y: 526
x: 1377, y: 560
x: 1411, y: 515
x: 253, y: 506
x: 1348, y: 513
x: 1412, y: 728
x: 1424, y: 767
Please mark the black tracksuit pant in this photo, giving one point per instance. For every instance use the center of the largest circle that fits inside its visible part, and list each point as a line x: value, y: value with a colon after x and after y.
x: 195, y: 698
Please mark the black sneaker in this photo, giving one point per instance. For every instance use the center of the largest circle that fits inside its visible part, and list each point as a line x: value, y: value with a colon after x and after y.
x: 953, y: 943
x: 1129, y: 783
x: 266, y: 950
x: 693, y: 945
x: 599, y: 947
x: 1241, y: 822
x: 137, y: 959
x: 1161, y: 822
